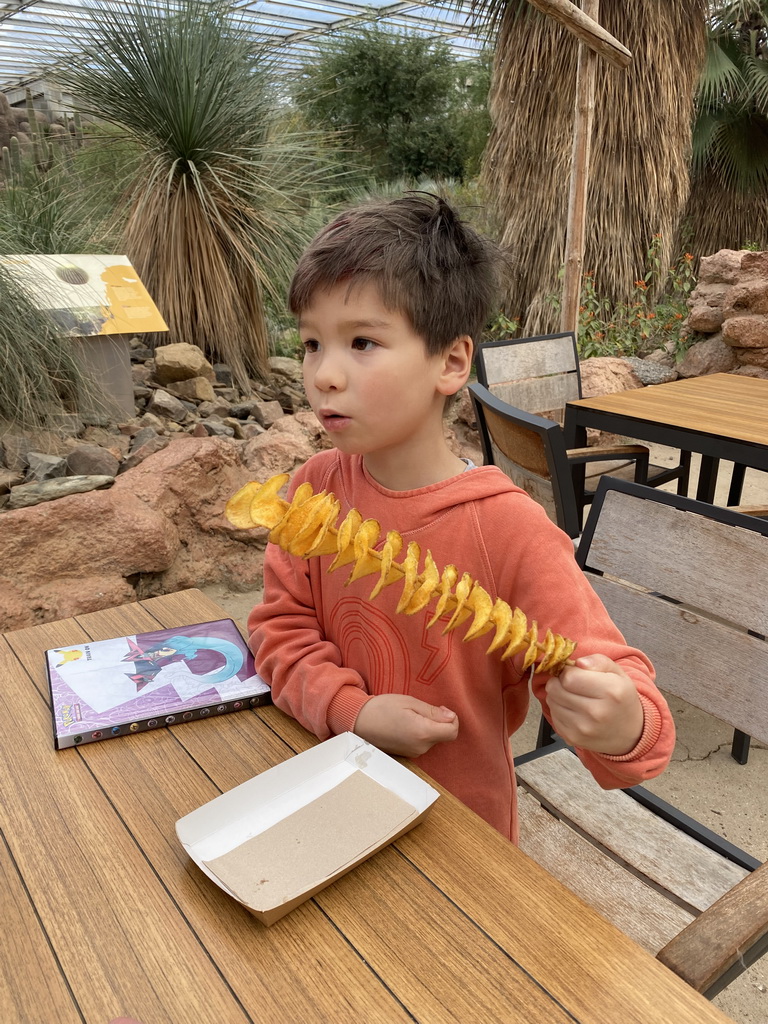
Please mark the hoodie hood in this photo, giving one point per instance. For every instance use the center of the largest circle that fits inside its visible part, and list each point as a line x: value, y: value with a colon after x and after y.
x: 405, y: 511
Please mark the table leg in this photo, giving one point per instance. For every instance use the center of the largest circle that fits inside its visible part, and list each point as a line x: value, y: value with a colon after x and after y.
x: 576, y: 437
x: 707, y: 479
x: 737, y: 482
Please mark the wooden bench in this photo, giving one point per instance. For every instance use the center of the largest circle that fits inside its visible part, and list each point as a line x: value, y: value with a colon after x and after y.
x: 686, y: 582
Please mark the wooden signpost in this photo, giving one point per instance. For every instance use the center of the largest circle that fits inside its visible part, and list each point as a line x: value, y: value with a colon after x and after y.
x: 594, y: 42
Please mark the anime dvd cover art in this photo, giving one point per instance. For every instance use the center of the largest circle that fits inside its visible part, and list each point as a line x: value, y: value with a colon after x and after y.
x: 106, y: 688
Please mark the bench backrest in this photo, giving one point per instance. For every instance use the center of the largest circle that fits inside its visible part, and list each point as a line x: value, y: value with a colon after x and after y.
x: 687, y: 583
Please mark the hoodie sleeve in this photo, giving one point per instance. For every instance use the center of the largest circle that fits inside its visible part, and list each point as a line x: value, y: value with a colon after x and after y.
x: 548, y: 585
x: 304, y: 669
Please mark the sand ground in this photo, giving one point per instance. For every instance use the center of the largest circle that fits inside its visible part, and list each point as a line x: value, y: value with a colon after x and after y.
x: 702, y: 778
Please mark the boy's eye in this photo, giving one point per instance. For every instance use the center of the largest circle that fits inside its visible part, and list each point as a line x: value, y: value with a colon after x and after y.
x: 363, y: 344
x: 310, y: 345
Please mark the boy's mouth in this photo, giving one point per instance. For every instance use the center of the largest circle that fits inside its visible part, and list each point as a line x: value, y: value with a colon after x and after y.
x: 333, y: 420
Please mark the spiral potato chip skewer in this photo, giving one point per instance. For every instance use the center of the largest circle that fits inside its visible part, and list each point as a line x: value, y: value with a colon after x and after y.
x: 306, y: 527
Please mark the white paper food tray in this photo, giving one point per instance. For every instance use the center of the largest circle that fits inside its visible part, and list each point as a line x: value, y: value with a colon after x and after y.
x: 306, y: 821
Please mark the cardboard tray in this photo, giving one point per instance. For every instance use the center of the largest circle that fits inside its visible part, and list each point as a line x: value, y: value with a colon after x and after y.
x: 277, y: 839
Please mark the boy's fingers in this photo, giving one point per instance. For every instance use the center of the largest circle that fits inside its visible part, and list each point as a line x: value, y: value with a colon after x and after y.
x: 596, y: 663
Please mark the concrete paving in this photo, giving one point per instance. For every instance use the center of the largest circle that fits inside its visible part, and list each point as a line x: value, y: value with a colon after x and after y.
x: 702, y: 778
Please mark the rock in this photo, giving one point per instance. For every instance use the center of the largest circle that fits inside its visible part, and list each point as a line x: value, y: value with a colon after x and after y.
x: 236, y: 425
x: 26, y: 495
x: 199, y: 430
x: 751, y: 371
x: 181, y: 361
x: 650, y: 371
x: 752, y: 356
x: 280, y: 449
x: 16, y: 447
x: 163, y: 404
x: 68, y: 424
x: 140, y: 354
x: 223, y: 374
x: 196, y: 389
x: 44, y: 467
x: 153, y: 422
x: 286, y: 367
x: 141, y: 375
x: 249, y: 430
x: 662, y: 357
x: 92, y: 460
x: 604, y: 375
x: 709, y: 356
x: 722, y: 267
x: 746, y: 331
x: 149, y: 446
x: 217, y: 428
x: 291, y: 400
x: 9, y: 478
x: 267, y: 413
x: 216, y: 407
x: 746, y: 297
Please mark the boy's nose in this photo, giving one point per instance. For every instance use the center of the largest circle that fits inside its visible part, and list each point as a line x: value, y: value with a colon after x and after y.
x: 329, y: 375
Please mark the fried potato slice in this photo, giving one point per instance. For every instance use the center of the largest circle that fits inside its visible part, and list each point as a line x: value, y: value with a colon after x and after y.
x: 257, y: 504
x: 367, y: 561
x: 410, y: 566
x: 344, y: 540
x: 480, y: 602
x: 517, y: 637
x: 533, y: 649
x: 447, y: 582
x: 463, y: 588
x: 430, y: 580
x: 392, y: 547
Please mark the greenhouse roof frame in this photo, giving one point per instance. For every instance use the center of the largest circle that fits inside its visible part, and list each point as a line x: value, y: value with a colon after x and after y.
x: 29, y: 28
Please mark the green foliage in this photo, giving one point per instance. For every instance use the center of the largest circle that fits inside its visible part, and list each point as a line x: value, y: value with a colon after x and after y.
x: 40, y: 376
x: 405, y: 105
x: 653, y: 316
x: 501, y: 327
x: 225, y: 193
x: 730, y: 137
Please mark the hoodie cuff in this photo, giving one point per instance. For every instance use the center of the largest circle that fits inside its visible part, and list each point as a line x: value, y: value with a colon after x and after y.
x: 344, y: 708
x: 650, y: 734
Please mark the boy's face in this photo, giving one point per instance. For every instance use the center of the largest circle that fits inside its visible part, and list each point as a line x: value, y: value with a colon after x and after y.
x: 367, y: 374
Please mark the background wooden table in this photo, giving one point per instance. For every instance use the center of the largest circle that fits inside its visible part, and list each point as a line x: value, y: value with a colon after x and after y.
x: 721, y: 415
x: 104, y: 915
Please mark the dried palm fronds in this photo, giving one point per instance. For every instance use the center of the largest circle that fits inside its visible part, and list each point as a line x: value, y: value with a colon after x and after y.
x: 305, y: 527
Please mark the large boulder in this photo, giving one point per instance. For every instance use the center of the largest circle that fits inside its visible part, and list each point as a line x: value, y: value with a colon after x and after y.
x: 181, y: 361
x: 709, y: 356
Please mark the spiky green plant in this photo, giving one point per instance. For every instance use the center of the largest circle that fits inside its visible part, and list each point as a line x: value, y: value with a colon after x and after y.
x: 222, y: 201
x: 40, y: 374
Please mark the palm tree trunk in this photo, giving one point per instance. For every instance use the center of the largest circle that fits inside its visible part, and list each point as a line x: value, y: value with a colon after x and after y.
x: 639, y: 173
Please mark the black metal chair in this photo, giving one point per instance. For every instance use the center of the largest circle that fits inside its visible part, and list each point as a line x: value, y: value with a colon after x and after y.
x: 531, y: 451
x: 539, y: 375
x: 685, y: 582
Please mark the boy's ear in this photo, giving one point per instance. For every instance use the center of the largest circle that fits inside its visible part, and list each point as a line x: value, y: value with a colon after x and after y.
x: 457, y: 363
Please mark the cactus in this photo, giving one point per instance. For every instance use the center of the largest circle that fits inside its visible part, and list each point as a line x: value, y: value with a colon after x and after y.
x: 43, y: 151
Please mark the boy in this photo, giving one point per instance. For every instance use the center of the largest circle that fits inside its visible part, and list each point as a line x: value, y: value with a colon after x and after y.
x: 390, y: 298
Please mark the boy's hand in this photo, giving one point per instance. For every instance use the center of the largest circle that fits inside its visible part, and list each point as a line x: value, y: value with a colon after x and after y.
x: 403, y: 725
x: 595, y: 705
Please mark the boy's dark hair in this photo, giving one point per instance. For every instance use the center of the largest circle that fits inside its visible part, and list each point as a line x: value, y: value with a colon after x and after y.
x: 425, y: 261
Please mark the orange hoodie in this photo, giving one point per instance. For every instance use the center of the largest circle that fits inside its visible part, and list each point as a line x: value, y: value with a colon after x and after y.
x: 326, y: 649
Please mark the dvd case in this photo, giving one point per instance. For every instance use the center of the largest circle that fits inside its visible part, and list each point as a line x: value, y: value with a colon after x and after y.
x: 107, y: 688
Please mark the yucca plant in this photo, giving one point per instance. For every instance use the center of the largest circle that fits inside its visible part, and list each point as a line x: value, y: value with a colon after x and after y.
x: 223, y: 198
x: 728, y: 205
x: 641, y: 143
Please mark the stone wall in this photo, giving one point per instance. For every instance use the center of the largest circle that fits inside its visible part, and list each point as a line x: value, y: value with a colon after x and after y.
x: 730, y: 306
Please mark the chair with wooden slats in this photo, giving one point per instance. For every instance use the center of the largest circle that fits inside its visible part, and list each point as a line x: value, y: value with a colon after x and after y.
x: 686, y: 583
x: 539, y: 375
x: 531, y: 451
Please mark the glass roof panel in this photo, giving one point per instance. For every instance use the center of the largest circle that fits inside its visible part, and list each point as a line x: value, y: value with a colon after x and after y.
x: 30, y: 29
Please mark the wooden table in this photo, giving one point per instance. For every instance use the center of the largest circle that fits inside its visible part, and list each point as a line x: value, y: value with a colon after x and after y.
x: 103, y: 915
x: 722, y: 416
